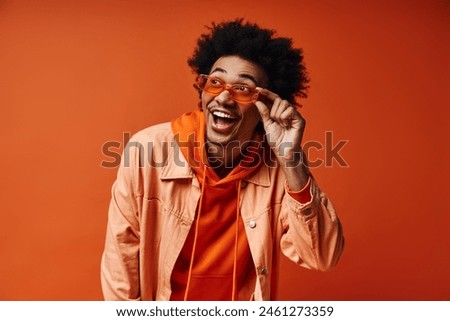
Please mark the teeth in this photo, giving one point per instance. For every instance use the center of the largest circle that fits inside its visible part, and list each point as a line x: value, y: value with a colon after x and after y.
x: 222, y: 114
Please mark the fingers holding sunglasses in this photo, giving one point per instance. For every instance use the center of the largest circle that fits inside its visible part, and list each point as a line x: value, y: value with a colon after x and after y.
x: 278, y: 110
x: 283, y: 113
x: 263, y: 106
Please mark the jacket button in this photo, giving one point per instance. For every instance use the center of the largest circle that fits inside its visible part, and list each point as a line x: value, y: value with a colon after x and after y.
x: 263, y: 271
x: 252, y: 224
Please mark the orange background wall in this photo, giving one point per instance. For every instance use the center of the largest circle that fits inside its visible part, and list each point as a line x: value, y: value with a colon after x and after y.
x: 77, y: 74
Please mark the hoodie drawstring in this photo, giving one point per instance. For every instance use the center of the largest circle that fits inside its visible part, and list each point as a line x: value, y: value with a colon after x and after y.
x: 236, y: 239
x: 191, y: 264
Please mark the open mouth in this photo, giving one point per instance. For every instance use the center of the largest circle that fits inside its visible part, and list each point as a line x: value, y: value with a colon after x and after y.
x: 223, y: 120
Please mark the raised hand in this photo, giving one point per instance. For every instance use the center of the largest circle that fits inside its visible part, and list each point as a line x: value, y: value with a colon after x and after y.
x: 284, y: 127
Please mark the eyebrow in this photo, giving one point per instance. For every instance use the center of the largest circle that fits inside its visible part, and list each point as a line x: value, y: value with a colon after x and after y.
x: 245, y: 76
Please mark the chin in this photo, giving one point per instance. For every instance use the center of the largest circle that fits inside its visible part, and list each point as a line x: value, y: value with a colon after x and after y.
x: 218, y: 139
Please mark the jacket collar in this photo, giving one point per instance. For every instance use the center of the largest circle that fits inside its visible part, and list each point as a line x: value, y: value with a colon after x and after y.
x: 177, y: 166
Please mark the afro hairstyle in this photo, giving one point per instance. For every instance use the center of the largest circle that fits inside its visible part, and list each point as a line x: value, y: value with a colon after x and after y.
x: 282, y: 63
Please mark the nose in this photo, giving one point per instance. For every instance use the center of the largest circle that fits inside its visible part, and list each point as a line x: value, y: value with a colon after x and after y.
x: 224, y: 98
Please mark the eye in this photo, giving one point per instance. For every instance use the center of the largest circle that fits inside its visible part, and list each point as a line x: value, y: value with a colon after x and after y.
x: 215, y: 82
x: 241, y: 89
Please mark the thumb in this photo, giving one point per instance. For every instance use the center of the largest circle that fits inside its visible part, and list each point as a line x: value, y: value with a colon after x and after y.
x: 263, y: 111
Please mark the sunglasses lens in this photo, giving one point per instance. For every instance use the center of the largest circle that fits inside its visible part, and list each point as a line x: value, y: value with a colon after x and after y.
x: 244, y: 94
x: 240, y: 93
x: 213, y: 86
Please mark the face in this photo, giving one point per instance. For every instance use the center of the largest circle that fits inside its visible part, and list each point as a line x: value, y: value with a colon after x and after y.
x: 228, y: 120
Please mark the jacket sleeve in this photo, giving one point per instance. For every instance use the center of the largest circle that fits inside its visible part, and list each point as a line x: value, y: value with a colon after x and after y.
x: 120, y: 260
x: 312, y: 234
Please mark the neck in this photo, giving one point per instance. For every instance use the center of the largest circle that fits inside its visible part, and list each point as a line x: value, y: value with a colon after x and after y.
x: 224, y: 158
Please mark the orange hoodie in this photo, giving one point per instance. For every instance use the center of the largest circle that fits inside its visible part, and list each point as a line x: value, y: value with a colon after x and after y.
x: 215, y: 260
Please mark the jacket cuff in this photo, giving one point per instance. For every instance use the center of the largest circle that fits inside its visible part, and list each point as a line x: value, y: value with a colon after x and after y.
x: 304, y: 195
x: 304, y: 206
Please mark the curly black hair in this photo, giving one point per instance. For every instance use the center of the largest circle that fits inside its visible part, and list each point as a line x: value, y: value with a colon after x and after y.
x: 282, y: 63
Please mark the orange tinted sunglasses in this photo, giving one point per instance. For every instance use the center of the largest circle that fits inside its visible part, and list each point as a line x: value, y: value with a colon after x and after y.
x: 238, y: 92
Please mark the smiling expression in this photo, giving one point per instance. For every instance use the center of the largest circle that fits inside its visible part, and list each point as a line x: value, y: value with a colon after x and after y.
x: 227, y: 120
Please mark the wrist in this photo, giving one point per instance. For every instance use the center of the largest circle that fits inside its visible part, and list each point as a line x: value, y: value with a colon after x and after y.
x: 297, y: 177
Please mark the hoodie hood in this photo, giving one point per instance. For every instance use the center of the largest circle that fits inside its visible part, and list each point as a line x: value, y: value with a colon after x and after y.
x: 189, y: 132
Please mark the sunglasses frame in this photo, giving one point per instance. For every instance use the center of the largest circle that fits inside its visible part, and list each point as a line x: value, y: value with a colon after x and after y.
x: 202, y: 79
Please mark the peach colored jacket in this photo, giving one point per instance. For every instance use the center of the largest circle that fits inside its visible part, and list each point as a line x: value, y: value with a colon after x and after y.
x: 153, y: 206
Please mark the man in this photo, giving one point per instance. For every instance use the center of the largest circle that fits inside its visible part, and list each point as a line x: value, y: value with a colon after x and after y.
x: 232, y: 192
